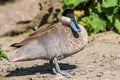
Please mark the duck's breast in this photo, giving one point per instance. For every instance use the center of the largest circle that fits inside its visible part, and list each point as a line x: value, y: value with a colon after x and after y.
x: 71, y: 42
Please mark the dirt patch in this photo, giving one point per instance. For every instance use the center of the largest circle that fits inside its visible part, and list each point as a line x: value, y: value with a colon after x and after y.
x: 16, y: 11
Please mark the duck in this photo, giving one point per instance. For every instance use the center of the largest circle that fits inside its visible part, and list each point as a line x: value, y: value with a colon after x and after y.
x: 53, y: 43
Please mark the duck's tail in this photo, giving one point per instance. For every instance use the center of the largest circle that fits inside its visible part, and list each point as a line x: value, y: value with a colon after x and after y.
x: 15, y: 45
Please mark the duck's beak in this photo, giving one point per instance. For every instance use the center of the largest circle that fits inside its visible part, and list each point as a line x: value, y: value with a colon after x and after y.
x: 74, y: 26
x: 71, y: 22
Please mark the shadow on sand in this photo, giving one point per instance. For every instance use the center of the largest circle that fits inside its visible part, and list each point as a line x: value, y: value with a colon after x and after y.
x: 42, y: 69
x: 2, y: 2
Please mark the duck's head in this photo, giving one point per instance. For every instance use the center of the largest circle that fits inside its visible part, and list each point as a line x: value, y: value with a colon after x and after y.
x: 69, y: 19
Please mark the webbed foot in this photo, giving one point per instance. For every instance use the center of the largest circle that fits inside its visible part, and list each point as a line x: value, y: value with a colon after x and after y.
x: 57, y: 70
x: 66, y: 73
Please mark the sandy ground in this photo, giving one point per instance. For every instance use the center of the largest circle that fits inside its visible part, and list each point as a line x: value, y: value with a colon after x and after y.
x: 14, y: 12
x: 99, y: 60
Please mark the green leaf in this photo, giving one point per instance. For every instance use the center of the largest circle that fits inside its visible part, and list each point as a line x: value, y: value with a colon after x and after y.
x: 76, y: 17
x: 61, y: 0
x: 109, y: 3
x: 2, y: 55
x: 72, y: 2
x: 99, y: 7
x: 117, y: 24
x: 109, y: 12
x: 69, y: 2
x: 77, y: 2
x: 110, y: 17
x: 91, y: 8
x: 97, y: 23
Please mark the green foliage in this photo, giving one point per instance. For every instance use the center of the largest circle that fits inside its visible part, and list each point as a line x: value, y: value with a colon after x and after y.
x: 100, y: 15
x: 72, y: 2
x: 109, y: 3
x: 2, y: 55
x: 117, y: 24
x: 96, y: 22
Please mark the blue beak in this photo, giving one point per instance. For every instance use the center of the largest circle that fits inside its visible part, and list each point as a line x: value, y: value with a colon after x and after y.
x: 75, y: 27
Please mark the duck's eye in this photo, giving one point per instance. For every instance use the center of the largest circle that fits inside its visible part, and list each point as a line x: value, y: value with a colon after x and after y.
x: 68, y: 15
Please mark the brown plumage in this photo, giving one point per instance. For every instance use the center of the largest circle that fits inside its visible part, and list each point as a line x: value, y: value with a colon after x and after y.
x: 53, y: 42
x: 57, y: 40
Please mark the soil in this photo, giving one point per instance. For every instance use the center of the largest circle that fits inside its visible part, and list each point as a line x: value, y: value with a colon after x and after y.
x: 14, y: 12
x: 99, y: 60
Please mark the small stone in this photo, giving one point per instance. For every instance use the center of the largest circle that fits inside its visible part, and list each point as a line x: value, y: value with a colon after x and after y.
x: 107, y: 79
x: 38, y: 75
x: 99, y: 74
x: 90, y: 68
x: 113, y: 74
x: 30, y: 79
x: 44, y: 76
x: 101, y: 64
x: 83, y: 72
x: 17, y: 69
x: 95, y: 61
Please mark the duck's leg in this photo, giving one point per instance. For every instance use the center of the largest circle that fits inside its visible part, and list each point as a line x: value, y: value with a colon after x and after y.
x: 56, y: 68
x: 53, y: 67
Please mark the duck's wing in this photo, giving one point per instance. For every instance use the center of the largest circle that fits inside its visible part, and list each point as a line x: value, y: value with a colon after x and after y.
x: 41, y: 31
x: 34, y: 36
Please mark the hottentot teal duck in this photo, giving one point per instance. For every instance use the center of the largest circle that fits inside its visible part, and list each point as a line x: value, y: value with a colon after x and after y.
x: 54, y: 42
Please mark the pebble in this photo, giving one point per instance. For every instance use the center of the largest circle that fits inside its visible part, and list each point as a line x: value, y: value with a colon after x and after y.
x: 83, y: 72
x: 90, y: 68
x: 30, y: 79
x: 101, y: 64
x: 100, y: 74
x: 107, y: 79
x: 5, y: 66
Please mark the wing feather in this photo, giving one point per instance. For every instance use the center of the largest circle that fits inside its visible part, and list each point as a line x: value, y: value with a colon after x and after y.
x: 34, y: 36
